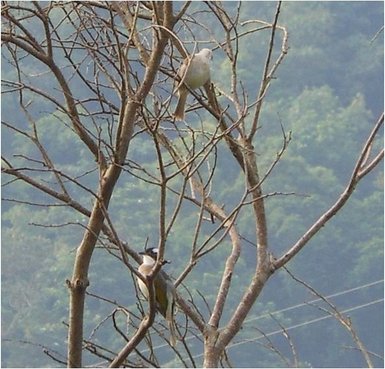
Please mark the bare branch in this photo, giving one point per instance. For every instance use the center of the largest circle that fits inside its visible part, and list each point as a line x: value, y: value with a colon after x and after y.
x: 267, y: 73
x: 356, y: 176
x: 345, y: 321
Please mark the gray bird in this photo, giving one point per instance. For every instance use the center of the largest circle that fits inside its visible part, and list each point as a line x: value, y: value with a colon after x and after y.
x: 194, y: 73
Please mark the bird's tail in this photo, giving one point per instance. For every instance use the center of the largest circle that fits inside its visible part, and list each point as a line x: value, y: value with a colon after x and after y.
x: 172, y: 329
x: 170, y: 318
x: 179, y: 110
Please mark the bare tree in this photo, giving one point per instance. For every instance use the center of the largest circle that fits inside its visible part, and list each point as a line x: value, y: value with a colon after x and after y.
x: 120, y: 54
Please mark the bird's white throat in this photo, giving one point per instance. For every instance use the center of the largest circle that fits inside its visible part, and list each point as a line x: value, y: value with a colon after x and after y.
x: 148, y: 260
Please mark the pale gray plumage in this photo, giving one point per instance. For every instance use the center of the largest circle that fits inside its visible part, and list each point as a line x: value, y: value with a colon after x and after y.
x: 194, y: 73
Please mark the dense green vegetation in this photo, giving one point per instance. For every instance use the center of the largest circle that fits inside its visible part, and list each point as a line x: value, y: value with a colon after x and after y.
x: 328, y: 93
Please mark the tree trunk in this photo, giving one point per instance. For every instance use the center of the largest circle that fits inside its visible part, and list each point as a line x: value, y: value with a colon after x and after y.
x: 77, y: 298
x: 211, y: 359
x: 79, y: 281
x: 212, y: 352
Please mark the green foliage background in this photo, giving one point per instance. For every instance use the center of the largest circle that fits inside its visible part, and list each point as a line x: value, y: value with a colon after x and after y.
x: 328, y: 93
